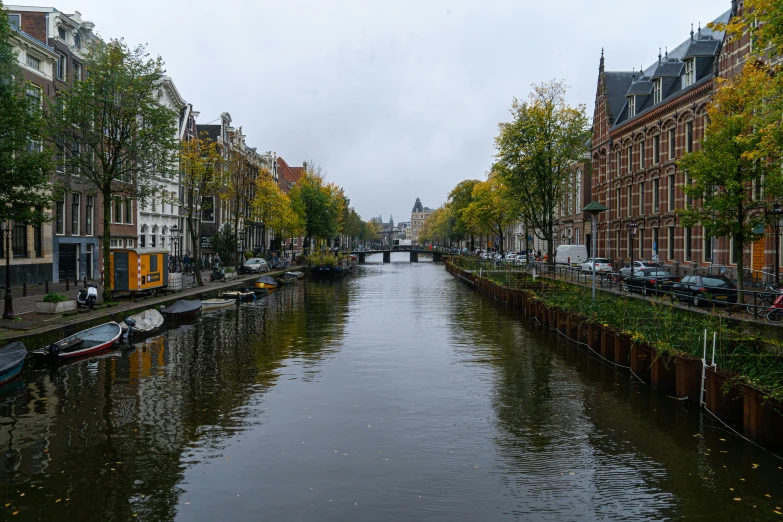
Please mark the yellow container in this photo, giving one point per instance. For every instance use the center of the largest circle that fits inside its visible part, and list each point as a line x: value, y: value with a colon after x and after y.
x: 135, y: 270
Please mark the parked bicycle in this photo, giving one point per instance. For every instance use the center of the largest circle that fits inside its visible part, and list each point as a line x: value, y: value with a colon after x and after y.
x: 764, y: 300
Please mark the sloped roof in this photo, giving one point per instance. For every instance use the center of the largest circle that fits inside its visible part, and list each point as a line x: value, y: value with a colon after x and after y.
x: 617, y: 84
x: 212, y: 131
x: 287, y: 176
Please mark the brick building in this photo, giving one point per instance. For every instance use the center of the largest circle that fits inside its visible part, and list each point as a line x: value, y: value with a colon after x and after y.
x: 289, y: 176
x: 31, y: 246
x: 75, y: 228
x: 644, y: 121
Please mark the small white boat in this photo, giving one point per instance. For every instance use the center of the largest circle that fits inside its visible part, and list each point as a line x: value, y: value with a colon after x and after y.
x: 216, y: 304
x: 146, y: 322
x: 238, y: 295
x: 294, y: 275
x: 83, y: 343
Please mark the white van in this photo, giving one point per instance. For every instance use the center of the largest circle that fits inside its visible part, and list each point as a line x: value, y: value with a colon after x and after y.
x: 577, y: 254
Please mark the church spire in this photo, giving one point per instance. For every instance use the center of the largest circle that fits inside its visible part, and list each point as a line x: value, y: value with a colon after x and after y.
x: 601, y: 66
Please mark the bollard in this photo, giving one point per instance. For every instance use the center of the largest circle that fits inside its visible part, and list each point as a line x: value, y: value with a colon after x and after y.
x: 46, y: 286
x: 66, y: 284
x: 24, y: 289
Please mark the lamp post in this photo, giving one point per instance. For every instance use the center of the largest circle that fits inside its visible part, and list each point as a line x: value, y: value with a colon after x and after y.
x: 774, y: 216
x: 174, y: 241
x: 241, y: 248
x: 632, y: 227
x: 7, y: 227
x: 594, y: 208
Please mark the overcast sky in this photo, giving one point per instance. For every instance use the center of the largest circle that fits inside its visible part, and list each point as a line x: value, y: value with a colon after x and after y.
x: 394, y: 99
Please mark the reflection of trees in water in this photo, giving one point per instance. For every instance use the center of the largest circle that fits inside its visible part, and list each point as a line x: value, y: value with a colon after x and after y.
x: 112, y: 433
x: 547, y: 427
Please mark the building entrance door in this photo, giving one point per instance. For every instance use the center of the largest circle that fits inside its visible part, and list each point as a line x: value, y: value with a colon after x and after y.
x: 68, y: 261
x: 88, y: 260
x: 757, y: 259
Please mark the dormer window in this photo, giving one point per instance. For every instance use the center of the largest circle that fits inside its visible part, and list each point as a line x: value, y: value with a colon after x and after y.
x: 631, y: 106
x: 690, y: 72
x: 657, y: 88
x: 15, y: 21
x: 61, y: 34
x: 77, y: 41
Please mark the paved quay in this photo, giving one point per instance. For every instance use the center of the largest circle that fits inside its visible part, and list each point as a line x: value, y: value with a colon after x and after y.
x: 35, y: 328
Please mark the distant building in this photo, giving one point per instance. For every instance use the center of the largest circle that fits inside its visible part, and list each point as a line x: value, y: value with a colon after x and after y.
x: 419, y: 215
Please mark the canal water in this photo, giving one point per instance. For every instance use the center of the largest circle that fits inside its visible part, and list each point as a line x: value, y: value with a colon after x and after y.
x: 396, y: 394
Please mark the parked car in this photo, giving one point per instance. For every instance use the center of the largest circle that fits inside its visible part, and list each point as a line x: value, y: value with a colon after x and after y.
x: 701, y: 289
x: 601, y: 265
x: 256, y: 265
x: 638, y: 265
x: 649, y: 280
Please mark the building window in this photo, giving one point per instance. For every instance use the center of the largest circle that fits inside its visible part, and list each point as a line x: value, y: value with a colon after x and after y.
x: 655, y: 242
x: 618, y: 239
x: 33, y: 62
x: 619, y: 164
x: 733, y: 250
x: 707, y: 249
x: 88, y: 218
x: 296, y: 241
x: 631, y: 106
x: 630, y: 158
x: 153, y: 240
x: 689, y: 136
x: 641, y: 154
x: 76, y: 201
x: 671, y: 193
x: 38, y: 240
x: 656, y: 149
x: 656, y: 196
x: 15, y: 21
x: 688, y: 243
x: 690, y: 72
x: 128, y: 211
x: 657, y: 91
x: 641, y: 244
x: 142, y: 241
x: 19, y: 240
x: 129, y: 243
x: 619, y: 204
x: 672, y: 144
x: 641, y: 198
x: 77, y: 41
x: 671, y: 243
x: 117, y: 210
x: 61, y: 34
x: 59, y: 211
x: 33, y: 94
x: 629, y: 200
x: 62, y: 67
x: 115, y: 243
x: 208, y: 209
x: 77, y: 72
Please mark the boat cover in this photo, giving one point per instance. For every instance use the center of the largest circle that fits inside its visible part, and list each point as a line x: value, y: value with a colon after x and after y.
x: 266, y: 280
x: 146, y: 321
x: 182, y: 307
x: 11, y: 355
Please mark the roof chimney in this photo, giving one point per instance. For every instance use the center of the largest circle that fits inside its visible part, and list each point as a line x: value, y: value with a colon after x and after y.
x: 304, y: 164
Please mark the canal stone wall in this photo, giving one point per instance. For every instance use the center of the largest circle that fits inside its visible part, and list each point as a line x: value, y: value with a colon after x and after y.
x: 748, y: 409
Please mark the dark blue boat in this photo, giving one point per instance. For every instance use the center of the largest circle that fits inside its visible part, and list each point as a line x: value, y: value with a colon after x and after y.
x: 11, y: 360
x: 327, y: 273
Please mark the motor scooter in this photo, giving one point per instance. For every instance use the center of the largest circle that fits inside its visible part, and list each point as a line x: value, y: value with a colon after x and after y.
x: 218, y: 274
x: 87, y: 296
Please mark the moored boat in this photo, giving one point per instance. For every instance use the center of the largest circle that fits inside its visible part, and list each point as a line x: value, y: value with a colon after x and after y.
x: 83, y: 343
x: 265, y: 282
x: 182, y: 309
x: 295, y: 275
x: 327, y: 273
x: 217, y: 304
x: 239, y: 295
x: 11, y: 361
x: 147, y: 322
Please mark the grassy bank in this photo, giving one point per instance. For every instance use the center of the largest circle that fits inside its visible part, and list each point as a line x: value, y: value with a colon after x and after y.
x: 667, y: 328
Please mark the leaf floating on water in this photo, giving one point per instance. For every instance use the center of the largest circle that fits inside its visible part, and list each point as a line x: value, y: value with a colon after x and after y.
x: 777, y: 512
x: 737, y: 499
x: 58, y: 500
x: 722, y: 440
x: 755, y: 466
x: 767, y: 495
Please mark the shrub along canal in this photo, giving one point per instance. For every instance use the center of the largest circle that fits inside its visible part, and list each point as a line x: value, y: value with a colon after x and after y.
x: 395, y: 394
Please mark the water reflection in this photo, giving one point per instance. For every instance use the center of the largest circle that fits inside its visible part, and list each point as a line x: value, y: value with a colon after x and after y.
x: 397, y: 394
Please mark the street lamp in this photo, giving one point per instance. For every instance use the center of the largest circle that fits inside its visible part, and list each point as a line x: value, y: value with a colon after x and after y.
x: 774, y: 216
x: 241, y: 248
x: 7, y: 227
x: 594, y: 208
x: 174, y: 241
x: 632, y: 227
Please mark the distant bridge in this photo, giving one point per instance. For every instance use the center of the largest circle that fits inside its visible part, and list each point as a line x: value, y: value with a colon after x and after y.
x: 437, y: 257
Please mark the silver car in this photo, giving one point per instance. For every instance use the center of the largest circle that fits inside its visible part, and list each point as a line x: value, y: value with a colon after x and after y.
x: 256, y: 265
x: 601, y: 265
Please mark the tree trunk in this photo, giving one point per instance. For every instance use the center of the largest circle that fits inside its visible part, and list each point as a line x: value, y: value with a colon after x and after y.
x: 108, y: 277
x: 739, y: 244
x: 550, y: 247
x: 194, y: 239
x: 472, y: 243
